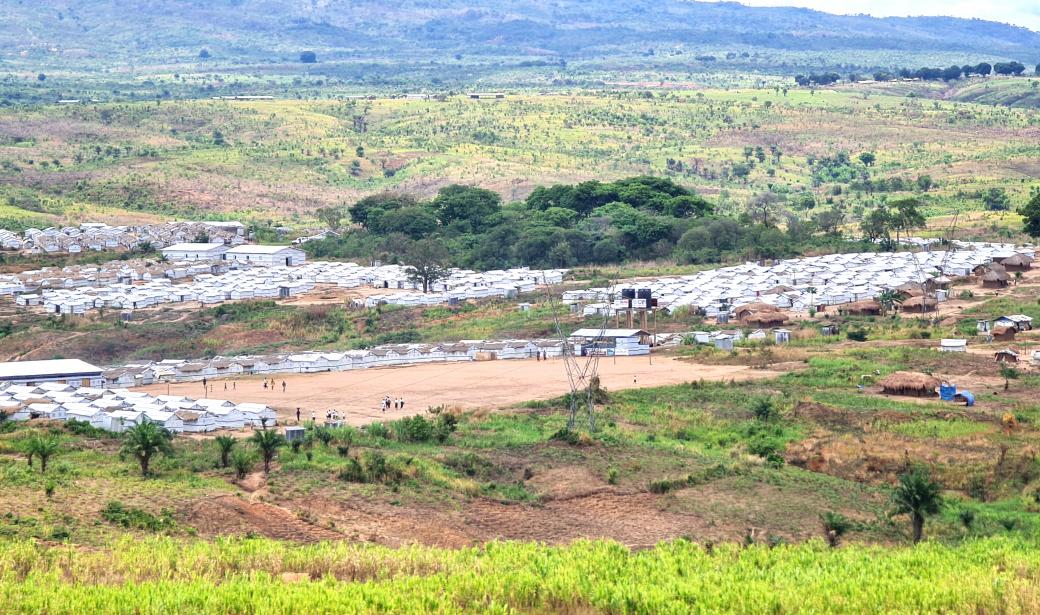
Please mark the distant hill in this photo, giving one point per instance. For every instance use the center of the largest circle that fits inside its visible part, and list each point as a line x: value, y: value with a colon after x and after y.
x: 160, y: 32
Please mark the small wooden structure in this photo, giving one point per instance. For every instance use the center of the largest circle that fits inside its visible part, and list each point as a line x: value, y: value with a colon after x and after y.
x: 867, y: 307
x: 919, y: 304
x: 1007, y: 355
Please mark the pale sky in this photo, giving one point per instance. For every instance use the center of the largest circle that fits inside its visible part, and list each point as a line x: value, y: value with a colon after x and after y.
x: 1019, y: 12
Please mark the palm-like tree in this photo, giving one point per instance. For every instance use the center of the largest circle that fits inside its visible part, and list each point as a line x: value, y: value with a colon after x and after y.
x: 268, y: 443
x: 242, y: 460
x: 43, y: 448
x: 888, y: 299
x: 224, y: 444
x: 918, y: 496
x: 1008, y: 373
x: 812, y: 297
x: 144, y: 442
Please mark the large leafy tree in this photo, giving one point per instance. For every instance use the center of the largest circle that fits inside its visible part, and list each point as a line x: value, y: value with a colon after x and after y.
x: 467, y: 208
x: 919, y: 496
x: 427, y: 261
x: 145, y: 441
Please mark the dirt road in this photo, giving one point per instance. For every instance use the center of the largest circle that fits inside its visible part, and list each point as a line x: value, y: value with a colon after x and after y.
x: 468, y: 385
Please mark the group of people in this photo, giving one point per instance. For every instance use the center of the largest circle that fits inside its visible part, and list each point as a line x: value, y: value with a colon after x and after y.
x: 272, y: 384
x: 541, y: 355
x: 398, y: 403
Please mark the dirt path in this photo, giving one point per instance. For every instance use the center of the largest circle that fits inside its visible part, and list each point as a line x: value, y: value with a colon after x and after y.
x: 468, y: 385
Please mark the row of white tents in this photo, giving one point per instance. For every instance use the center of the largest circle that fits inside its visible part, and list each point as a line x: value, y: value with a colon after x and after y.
x: 801, y: 283
x: 220, y: 368
x: 282, y: 282
x: 117, y: 410
x: 99, y: 237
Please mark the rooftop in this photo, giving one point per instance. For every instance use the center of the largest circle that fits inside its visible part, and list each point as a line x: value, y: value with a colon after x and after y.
x: 54, y: 367
x: 187, y: 247
x: 608, y: 333
x: 254, y: 249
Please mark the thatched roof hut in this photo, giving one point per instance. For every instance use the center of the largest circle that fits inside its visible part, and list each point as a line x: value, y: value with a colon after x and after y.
x: 1017, y: 262
x: 981, y: 270
x: 867, y: 307
x: 919, y: 305
x: 744, y: 311
x: 909, y: 383
x: 1007, y: 355
x: 995, y: 279
x: 910, y: 289
x: 1003, y: 334
x: 765, y: 319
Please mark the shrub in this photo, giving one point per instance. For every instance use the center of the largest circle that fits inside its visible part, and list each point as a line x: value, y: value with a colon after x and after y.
x: 763, y: 409
x: 469, y: 464
x: 378, y: 430
x: 85, y: 429
x: 444, y: 426
x: 856, y: 335
x: 413, y: 429
x: 567, y: 436
x: 612, y: 476
x: 137, y: 518
x: 967, y: 517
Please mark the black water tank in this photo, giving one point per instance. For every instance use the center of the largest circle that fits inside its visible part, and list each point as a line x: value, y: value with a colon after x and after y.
x: 628, y: 293
x: 644, y: 293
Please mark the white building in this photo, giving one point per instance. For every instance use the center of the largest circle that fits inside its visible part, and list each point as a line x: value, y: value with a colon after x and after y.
x: 266, y: 255
x: 195, y: 251
x: 953, y: 345
x: 68, y: 371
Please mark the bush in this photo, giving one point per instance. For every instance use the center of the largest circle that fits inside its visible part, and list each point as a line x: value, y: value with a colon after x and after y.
x: 413, y: 429
x: 85, y: 429
x: 469, y: 464
x: 764, y: 410
x: 242, y: 461
x: 856, y: 335
x: 567, y: 436
x: 137, y: 518
x: 835, y: 525
x: 378, y: 430
x: 444, y: 426
x: 372, y: 467
x: 612, y: 476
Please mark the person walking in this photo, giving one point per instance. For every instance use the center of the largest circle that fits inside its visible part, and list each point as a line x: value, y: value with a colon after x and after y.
x: 265, y: 384
x: 225, y: 385
x: 402, y: 403
x: 234, y: 385
x: 297, y: 415
x: 313, y: 416
x: 283, y: 386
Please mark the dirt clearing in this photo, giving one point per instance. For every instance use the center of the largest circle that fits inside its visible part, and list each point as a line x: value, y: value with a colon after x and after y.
x: 468, y: 385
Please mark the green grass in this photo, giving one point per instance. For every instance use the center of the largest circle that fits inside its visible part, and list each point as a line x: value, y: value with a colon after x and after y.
x: 940, y: 429
x: 162, y: 575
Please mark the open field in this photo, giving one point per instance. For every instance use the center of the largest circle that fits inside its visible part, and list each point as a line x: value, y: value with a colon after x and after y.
x: 466, y: 385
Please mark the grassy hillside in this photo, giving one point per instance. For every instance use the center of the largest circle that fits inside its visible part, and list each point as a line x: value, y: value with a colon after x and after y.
x: 280, y: 160
x: 269, y: 31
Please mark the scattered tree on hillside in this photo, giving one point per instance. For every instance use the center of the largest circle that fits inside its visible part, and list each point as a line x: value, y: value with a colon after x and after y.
x: 308, y: 57
x: 331, y: 217
x: 888, y: 300
x: 996, y: 199
x: 1008, y: 373
x: 983, y: 68
x: 42, y: 448
x: 867, y: 158
x: 919, y: 496
x: 1009, y: 68
x: 427, y: 261
x: 204, y: 54
x: 835, y: 525
x: 224, y: 444
x: 144, y: 441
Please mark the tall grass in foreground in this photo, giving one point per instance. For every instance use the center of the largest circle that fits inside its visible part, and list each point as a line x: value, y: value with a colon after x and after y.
x: 162, y: 575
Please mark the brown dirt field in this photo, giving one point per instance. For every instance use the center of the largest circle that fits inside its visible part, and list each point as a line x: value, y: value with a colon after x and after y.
x: 468, y: 385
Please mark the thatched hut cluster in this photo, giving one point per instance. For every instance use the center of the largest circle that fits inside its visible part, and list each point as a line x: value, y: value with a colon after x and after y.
x: 1003, y: 333
x: 914, y: 384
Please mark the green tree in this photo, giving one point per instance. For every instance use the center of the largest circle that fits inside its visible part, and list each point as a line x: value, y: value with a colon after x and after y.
x: 996, y: 199
x: 332, y: 217
x: 919, y: 496
x: 268, y: 443
x: 224, y: 444
x: 470, y: 208
x: 1030, y: 213
x: 835, y: 525
x: 204, y: 54
x: 906, y: 216
x: 427, y: 261
x: 867, y: 158
x: 308, y: 57
x: 877, y: 225
x: 242, y: 461
x: 43, y: 448
x: 888, y: 299
x: 144, y: 441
